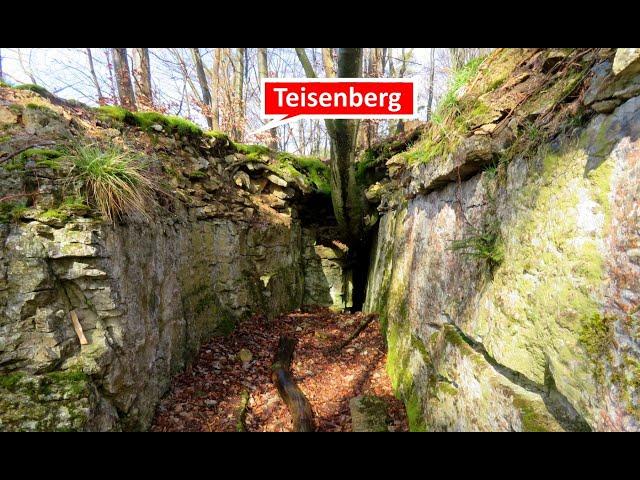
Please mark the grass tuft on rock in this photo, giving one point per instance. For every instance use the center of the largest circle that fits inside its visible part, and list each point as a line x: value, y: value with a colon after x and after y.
x: 115, y: 181
x: 11, y: 211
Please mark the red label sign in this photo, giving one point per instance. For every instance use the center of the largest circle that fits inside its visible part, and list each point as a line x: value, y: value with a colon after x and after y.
x: 339, y: 98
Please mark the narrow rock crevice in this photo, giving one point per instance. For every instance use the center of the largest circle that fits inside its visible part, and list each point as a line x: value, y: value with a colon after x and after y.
x: 557, y: 404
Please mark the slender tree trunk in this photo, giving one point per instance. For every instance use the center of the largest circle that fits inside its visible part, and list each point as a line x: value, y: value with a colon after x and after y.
x: 215, y: 90
x: 346, y: 196
x: 239, y: 93
x: 112, y: 82
x: 432, y: 70
x: 329, y: 64
x: 94, y: 77
x: 345, y: 193
x: 263, y: 71
x: 392, y: 67
x: 369, y: 128
x: 204, y: 86
x: 1, y: 75
x: 123, y: 78
x: 142, y: 78
x: 385, y: 53
x: 457, y: 58
x: 26, y: 68
x: 306, y: 64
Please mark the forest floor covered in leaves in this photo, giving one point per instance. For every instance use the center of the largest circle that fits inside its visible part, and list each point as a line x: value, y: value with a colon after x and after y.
x: 208, y: 396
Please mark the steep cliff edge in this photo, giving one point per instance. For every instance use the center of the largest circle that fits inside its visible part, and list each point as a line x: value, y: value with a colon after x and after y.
x: 223, y: 241
x: 507, y: 264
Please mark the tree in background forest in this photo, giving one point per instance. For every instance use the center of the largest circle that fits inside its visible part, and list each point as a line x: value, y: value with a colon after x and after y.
x: 142, y: 78
x: 219, y: 88
x: 345, y: 194
x: 123, y: 78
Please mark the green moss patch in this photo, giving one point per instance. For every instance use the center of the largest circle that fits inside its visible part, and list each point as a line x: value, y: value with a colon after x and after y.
x: 11, y: 211
x: 34, y: 88
x: 146, y: 120
x: 253, y: 152
x: 315, y: 171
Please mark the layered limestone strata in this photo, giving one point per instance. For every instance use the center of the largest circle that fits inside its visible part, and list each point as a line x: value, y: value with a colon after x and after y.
x: 226, y: 243
x: 509, y: 288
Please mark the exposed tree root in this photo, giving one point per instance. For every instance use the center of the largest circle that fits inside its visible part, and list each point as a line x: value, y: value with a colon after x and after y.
x: 242, y: 411
x: 367, y: 320
x: 296, y: 402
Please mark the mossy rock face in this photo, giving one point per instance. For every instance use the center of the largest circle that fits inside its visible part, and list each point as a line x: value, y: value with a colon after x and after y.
x: 152, y: 122
x: 537, y: 342
x: 40, y: 90
x: 57, y: 401
x: 369, y: 414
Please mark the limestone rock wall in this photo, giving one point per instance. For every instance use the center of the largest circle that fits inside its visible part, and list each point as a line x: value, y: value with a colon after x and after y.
x: 146, y: 297
x: 225, y: 243
x: 327, y: 281
x: 511, y: 296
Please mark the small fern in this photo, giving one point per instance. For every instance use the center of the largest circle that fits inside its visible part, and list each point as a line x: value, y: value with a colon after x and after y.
x: 483, y: 244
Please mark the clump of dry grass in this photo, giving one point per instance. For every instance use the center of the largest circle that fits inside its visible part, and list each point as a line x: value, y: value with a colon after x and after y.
x: 113, y: 180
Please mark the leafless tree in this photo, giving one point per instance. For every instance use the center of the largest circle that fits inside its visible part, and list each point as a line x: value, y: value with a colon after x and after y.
x: 142, y: 78
x: 94, y: 77
x: 432, y: 71
x: 263, y: 69
x: 204, y: 86
x: 123, y: 78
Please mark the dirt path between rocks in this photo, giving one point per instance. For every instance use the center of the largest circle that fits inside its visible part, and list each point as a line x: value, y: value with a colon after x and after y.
x: 207, y: 396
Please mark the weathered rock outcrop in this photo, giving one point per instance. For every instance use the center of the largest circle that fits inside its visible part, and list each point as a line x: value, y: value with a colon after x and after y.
x: 506, y: 268
x: 225, y: 243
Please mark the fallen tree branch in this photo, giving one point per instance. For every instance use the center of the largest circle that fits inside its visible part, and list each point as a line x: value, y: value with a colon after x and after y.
x: 367, y: 320
x: 291, y: 395
x: 242, y: 411
x: 24, y: 149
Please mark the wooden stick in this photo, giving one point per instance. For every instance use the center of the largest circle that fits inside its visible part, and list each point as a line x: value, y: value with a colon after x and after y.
x: 24, y: 149
x: 241, y: 425
x: 368, y: 319
x: 291, y: 395
x: 78, y: 328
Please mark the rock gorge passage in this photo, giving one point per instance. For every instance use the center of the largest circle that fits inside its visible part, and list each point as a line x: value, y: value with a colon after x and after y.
x: 499, y: 277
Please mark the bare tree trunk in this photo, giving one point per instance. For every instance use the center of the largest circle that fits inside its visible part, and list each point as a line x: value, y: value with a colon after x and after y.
x: 239, y: 94
x: 142, y: 77
x: 457, y: 58
x: 94, y: 77
x: 306, y: 64
x: 1, y: 75
x: 432, y: 69
x: 123, y: 78
x: 329, y: 64
x: 112, y: 82
x: 369, y: 128
x: 345, y: 194
x: 215, y: 86
x: 385, y: 56
x: 392, y: 67
x: 204, y: 86
x: 263, y: 71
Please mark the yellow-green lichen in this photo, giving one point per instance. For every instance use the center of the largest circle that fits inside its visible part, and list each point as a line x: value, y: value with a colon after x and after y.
x: 415, y: 414
x: 533, y: 416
